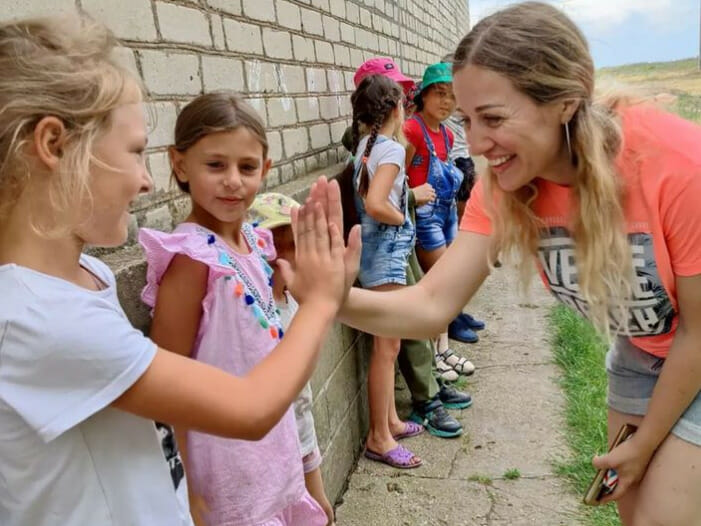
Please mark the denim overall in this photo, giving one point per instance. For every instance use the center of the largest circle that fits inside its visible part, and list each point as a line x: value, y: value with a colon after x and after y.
x: 437, y: 221
x: 386, y: 248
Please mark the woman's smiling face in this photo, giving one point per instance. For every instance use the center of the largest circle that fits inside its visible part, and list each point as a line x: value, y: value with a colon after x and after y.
x: 520, y: 138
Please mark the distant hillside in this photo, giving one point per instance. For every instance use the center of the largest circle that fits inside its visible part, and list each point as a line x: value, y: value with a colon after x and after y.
x: 679, y: 78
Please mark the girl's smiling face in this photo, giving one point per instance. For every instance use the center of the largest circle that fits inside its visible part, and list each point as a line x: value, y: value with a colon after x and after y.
x: 438, y: 101
x: 117, y: 176
x: 224, y: 171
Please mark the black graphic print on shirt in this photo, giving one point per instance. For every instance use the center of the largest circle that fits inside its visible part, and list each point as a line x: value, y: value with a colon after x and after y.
x: 650, y: 312
x: 170, y: 450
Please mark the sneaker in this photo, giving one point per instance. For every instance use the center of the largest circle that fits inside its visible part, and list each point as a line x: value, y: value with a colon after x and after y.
x: 437, y: 421
x: 454, y: 399
x: 460, y: 364
x: 457, y: 330
x: 445, y: 371
x: 470, y: 322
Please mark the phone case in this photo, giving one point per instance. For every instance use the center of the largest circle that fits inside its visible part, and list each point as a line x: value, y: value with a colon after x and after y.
x: 606, y: 479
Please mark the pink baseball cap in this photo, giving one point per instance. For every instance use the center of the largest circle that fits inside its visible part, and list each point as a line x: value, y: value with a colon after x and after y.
x: 382, y: 66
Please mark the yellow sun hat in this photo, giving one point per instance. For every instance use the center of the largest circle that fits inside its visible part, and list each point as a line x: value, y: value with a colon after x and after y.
x: 271, y: 210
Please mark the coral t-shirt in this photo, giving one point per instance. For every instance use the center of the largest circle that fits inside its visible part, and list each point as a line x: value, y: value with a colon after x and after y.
x: 660, y: 163
x: 417, y: 171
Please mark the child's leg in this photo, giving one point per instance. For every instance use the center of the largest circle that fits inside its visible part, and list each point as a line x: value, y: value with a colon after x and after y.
x: 416, y: 356
x: 315, y: 487
x: 428, y: 258
x: 396, y: 425
x: 380, y: 392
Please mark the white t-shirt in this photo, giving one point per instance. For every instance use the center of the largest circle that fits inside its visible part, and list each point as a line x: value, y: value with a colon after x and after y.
x: 303, y: 405
x: 460, y: 148
x: 386, y: 152
x: 66, y: 458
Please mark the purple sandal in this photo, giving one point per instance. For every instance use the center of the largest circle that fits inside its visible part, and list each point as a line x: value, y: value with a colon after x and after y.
x: 399, y: 457
x: 411, y: 429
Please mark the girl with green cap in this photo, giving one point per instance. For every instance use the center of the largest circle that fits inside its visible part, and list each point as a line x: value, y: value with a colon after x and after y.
x: 428, y: 161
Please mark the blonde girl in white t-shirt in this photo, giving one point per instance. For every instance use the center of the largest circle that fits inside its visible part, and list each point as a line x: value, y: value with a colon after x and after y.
x: 80, y: 388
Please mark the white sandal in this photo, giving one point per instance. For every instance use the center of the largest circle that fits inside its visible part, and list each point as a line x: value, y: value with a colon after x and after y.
x: 446, y: 372
x: 458, y: 363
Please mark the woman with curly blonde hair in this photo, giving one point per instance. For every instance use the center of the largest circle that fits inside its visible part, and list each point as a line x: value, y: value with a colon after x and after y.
x: 602, y: 197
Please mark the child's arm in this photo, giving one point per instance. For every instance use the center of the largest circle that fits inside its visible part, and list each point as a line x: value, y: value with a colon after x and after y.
x: 178, y: 308
x: 410, y: 151
x: 377, y: 204
x: 186, y: 393
x: 423, y: 194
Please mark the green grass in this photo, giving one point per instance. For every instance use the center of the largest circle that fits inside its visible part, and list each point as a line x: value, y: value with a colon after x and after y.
x: 678, y: 81
x: 651, y: 68
x: 688, y: 106
x: 579, y: 351
x: 512, y: 474
x: 485, y: 480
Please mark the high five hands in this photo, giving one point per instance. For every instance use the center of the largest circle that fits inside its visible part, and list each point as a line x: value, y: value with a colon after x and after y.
x: 325, y: 269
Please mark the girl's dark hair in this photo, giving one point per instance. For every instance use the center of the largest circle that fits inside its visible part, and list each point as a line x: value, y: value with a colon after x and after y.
x: 419, y: 99
x: 212, y: 113
x: 373, y: 102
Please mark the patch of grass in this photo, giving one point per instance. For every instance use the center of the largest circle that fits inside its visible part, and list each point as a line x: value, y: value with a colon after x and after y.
x: 461, y: 383
x: 677, y: 81
x: 677, y: 76
x: 580, y: 352
x: 512, y: 474
x: 485, y: 480
x: 688, y: 106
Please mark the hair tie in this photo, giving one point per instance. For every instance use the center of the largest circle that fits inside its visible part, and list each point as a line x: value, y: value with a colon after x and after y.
x: 365, y: 159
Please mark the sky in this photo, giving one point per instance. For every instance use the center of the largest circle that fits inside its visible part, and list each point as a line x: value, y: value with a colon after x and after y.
x: 625, y: 31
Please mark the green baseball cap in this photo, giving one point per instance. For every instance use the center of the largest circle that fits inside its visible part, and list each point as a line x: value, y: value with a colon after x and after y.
x: 437, y: 74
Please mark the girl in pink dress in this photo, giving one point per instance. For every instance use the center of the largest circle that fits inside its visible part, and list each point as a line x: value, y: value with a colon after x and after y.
x: 209, y: 283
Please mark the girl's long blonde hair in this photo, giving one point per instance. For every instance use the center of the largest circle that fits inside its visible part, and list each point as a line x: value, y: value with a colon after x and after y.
x: 542, y: 52
x: 63, y: 67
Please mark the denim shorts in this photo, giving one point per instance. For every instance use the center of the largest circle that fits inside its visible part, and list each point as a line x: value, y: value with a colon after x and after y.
x: 436, y: 224
x: 385, y: 254
x: 632, y: 375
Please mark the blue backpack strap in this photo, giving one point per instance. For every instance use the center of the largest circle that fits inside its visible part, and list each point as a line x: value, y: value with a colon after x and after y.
x: 429, y: 143
x: 446, y: 138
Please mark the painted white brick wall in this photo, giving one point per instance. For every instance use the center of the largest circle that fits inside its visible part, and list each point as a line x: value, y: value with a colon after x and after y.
x: 303, y: 48
x: 183, y: 24
x: 277, y: 44
x: 222, y: 73
x: 320, y: 136
x: 308, y: 109
x: 292, y: 59
x: 231, y: 7
x: 129, y: 19
x: 243, y: 37
x: 295, y: 141
x: 170, y: 73
x: 263, y: 10
x: 289, y: 15
x: 311, y: 22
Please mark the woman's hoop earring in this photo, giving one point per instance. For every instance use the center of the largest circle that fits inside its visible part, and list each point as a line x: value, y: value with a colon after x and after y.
x: 567, y: 137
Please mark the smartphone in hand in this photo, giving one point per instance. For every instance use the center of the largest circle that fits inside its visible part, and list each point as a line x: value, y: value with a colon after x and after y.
x: 606, y: 480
